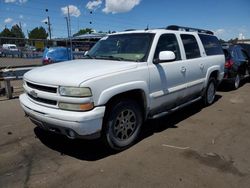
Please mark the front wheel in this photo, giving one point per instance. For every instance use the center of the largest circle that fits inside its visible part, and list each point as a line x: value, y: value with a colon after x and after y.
x: 210, y: 91
x: 122, y: 125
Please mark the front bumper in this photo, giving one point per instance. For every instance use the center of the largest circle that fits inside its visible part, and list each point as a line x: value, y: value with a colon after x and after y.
x: 83, y: 124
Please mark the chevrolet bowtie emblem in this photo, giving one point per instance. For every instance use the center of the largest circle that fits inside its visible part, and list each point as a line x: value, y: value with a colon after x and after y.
x: 33, y: 94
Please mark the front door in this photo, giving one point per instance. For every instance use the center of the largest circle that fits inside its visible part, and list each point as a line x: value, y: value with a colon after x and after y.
x: 167, y: 79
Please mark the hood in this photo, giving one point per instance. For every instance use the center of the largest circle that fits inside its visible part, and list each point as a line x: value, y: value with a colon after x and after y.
x: 73, y: 73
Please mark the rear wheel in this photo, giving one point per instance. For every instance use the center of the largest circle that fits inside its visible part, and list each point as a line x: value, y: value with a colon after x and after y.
x: 210, y: 91
x: 122, y: 125
x: 236, y: 81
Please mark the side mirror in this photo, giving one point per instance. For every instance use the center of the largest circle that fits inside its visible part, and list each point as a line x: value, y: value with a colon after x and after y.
x: 166, y: 56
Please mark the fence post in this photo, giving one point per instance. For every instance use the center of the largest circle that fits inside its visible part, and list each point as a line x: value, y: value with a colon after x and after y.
x: 8, y: 89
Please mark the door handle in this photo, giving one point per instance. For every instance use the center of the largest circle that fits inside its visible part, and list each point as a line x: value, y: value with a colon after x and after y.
x: 201, y: 66
x: 183, y: 69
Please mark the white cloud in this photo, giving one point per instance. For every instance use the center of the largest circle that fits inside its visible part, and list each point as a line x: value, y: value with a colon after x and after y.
x: 73, y: 11
x: 9, y: 1
x: 118, y: 6
x: 21, y: 16
x: 92, y: 5
x: 13, y: 1
x: 219, y: 32
x: 23, y: 1
x: 8, y: 20
x: 24, y: 25
x: 45, y: 20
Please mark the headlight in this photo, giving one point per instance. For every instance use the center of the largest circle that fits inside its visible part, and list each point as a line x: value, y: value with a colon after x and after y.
x: 75, y: 91
x: 76, y: 107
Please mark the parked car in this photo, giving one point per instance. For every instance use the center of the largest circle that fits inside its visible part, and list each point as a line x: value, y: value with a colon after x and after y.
x: 125, y: 78
x: 10, y: 49
x: 237, y: 65
x: 55, y: 55
x: 246, y: 47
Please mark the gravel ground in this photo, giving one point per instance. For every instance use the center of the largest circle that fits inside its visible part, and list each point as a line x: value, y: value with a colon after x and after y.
x: 193, y: 147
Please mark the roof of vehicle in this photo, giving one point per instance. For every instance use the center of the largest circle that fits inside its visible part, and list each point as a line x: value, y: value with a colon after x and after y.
x: 9, y: 45
x: 169, y: 29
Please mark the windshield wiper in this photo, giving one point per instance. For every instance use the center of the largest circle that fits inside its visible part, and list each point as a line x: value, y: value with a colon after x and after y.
x: 110, y: 57
x: 89, y: 56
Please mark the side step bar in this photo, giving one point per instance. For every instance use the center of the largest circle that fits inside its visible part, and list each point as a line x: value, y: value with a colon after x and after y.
x: 174, y: 109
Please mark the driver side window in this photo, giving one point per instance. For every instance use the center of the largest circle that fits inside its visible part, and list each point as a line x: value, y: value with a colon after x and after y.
x: 168, y: 42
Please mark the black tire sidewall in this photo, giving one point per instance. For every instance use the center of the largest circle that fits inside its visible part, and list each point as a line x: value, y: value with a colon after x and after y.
x: 113, y: 113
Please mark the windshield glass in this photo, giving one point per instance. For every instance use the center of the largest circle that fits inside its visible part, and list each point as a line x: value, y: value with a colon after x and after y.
x: 126, y: 47
x: 13, y: 47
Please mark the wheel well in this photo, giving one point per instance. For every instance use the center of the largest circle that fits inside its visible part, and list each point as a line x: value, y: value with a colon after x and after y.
x: 136, y: 95
x: 215, y: 75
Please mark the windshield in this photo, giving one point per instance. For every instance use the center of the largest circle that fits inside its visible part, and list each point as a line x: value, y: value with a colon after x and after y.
x: 126, y: 47
x: 13, y: 47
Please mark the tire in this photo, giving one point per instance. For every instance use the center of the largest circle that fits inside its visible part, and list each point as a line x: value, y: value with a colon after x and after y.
x: 236, y: 82
x: 210, y: 91
x: 122, y: 125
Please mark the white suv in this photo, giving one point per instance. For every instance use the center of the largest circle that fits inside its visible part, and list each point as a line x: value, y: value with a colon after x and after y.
x: 124, y: 79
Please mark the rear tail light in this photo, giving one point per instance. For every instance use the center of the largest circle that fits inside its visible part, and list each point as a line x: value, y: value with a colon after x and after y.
x: 229, y: 63
x: 47, y: 61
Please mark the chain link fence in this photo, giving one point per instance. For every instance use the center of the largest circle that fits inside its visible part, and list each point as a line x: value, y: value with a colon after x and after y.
x: 19, y: 55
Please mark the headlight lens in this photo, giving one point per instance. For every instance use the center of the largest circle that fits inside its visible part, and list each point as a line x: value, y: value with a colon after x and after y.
x: 75, y: 91
x: 76, y: 107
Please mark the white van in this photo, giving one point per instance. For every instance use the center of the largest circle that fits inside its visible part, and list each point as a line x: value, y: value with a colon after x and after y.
x: 10, y: 49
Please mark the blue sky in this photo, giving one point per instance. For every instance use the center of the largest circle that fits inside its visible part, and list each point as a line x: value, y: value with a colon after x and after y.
x: 227, y: 18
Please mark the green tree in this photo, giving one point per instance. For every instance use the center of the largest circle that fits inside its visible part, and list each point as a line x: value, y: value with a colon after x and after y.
x: 17, y: 31
x: 38, y: 33
x: 233, y: 41
x: 84, y: 31
x: 6, y: 33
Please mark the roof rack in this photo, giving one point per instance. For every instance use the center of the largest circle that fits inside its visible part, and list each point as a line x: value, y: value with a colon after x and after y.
x: 181, y: 28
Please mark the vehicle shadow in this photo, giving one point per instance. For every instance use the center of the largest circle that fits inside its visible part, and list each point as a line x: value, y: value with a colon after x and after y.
x: 171, y: 120
x: 92, y: 150
x: 227, y: 87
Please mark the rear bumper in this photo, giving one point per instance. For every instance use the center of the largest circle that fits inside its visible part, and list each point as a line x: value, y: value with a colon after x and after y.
x: 83, y: 124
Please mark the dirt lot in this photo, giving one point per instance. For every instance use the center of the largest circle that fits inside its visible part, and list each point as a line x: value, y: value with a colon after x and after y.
x: 194, y: 147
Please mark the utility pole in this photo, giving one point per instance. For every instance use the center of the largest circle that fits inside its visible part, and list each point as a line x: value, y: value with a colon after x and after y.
x: 69, y: 33
x: 67, y: 25
x: 69, y: 55
x: 49, y: 25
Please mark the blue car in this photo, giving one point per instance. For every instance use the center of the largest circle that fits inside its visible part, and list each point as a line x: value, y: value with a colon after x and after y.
x: 55, y: 55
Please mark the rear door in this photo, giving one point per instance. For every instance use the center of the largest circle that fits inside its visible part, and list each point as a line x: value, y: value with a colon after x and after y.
x: 196, y: 68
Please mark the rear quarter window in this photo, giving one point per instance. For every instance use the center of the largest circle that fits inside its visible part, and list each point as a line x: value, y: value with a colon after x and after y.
x: 211, y: 44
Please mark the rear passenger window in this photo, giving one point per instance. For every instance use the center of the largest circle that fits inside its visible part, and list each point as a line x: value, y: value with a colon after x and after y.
x: 211, y: 44
x: 168, y: 42
x: 191, y: 46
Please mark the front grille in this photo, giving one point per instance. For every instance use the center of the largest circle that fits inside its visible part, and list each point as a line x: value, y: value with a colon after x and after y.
x: 46, y: 101
x: 42, y: 88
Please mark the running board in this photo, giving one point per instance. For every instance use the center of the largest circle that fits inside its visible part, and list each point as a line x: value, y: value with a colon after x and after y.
x: 174, y: 109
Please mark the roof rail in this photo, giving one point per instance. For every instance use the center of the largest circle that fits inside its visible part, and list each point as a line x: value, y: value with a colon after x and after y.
x: 130, y: 30
x: 181, y: 28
